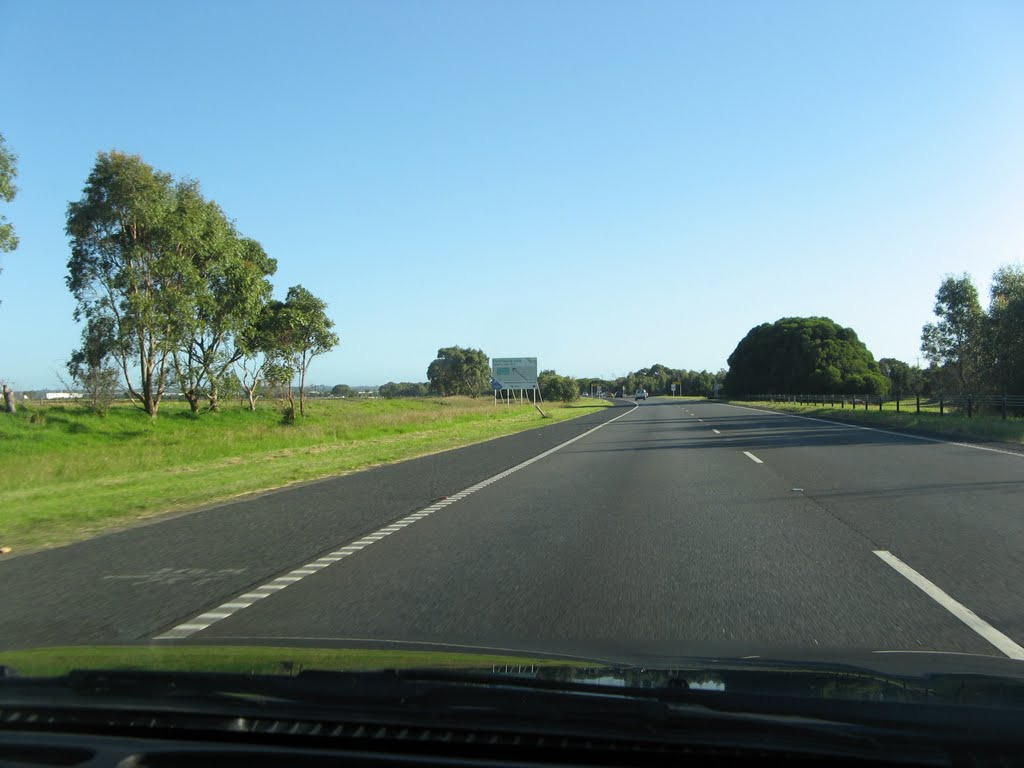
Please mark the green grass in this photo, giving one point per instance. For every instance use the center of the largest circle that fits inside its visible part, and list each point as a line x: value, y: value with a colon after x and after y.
x: 246, y: 659
x: 69, y: 475
x: 953, y: 423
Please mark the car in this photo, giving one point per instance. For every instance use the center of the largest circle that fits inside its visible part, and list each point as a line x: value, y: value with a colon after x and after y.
x: 641, y: 394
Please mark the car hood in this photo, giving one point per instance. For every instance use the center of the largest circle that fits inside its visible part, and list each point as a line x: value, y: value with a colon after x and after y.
x: 852, y: 675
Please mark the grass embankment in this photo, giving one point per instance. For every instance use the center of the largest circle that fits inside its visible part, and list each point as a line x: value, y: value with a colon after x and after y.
x: 69, y: 474
x: 953, y: 423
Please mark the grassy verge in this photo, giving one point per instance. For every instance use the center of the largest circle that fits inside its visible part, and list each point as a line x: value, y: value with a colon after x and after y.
x: 929, y: 421
x: 69, y: 475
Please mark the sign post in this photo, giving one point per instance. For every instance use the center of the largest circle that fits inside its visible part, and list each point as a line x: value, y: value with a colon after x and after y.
x: 673, y: 390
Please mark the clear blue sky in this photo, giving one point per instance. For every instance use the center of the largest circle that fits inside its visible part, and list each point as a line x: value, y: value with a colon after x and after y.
x: 604, y: 185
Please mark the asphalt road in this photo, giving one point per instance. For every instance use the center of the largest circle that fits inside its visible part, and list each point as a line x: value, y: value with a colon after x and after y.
x: 668, y: 526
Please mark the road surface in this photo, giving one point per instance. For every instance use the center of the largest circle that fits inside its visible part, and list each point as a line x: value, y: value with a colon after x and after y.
x: 668, y: 525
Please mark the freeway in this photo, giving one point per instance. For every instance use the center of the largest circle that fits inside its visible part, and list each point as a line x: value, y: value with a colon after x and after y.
x: 674, y: 526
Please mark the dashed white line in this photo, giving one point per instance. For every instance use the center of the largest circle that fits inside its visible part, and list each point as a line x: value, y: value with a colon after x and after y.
x: 221, y: 612
x: 752, y: 457
x: 716, y: 431
x: 961, y: 611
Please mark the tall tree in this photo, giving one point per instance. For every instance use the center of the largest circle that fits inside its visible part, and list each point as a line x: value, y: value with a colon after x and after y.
x: 202, y: 235
x: 230, y: 294
x: 263, y: 365
x: 8, y: 172
x: 8, y: 240
x: 958, y: 338
x: 165, y: 270
x: 903, y: 380
x: 803, y: 355
x: 299, y: 330
x: 259, y: 352
x: 125, y: 269
x: 458, y: 371
x: 90, y: 368
x: 1005, y: 338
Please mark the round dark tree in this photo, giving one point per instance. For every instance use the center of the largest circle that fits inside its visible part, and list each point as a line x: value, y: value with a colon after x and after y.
x: 798, y: 355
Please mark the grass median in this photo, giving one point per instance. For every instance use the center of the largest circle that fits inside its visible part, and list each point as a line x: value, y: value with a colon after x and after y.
x: 952, y: 424
x: 69, y: 475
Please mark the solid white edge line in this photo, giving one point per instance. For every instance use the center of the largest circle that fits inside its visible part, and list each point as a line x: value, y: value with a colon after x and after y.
x: 752, y: 457
x: 961, y: 611
x: 876, y: 429
x: 235, y: 604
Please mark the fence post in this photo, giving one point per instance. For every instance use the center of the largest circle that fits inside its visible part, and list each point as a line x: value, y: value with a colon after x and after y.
x: 918, y: 403
x: 897, y: 403
x: 1004, y: 407
x: 842, y: 401
x: 941, y: 405
x: 866, y: 398
x: 879, y: 403
x: 970, y: 406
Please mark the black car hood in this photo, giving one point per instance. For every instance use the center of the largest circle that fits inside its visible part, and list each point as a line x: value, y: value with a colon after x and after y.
x: 855, y: 674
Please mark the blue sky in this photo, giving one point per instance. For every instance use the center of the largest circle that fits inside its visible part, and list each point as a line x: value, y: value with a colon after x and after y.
x: 603, y: 185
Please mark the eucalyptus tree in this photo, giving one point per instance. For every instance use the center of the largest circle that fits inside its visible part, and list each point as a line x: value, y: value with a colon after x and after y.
x: 166, y: 273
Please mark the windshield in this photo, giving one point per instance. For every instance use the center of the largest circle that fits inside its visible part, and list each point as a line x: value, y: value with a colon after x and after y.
x: 374, y: 335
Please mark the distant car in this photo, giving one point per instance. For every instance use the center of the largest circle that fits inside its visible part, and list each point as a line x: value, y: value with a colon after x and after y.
x: 641, y: 394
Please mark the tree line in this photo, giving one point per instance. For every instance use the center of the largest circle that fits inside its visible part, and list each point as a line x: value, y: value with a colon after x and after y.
x: 171, y: 294
x: 977, y: 350
x: 658, y: 380
x: 970, y: 349
x: 466, y: 371
x: 461, y: 371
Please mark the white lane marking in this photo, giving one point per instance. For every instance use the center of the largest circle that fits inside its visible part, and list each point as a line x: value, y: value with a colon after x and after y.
x: 204, y: 620
x: 752, y: 457
x: 876, y: 429
x: 716, y: 431
x: 961, y: 611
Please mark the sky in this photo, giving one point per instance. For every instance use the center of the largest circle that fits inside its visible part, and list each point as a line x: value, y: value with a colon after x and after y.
x: 601, y: 185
